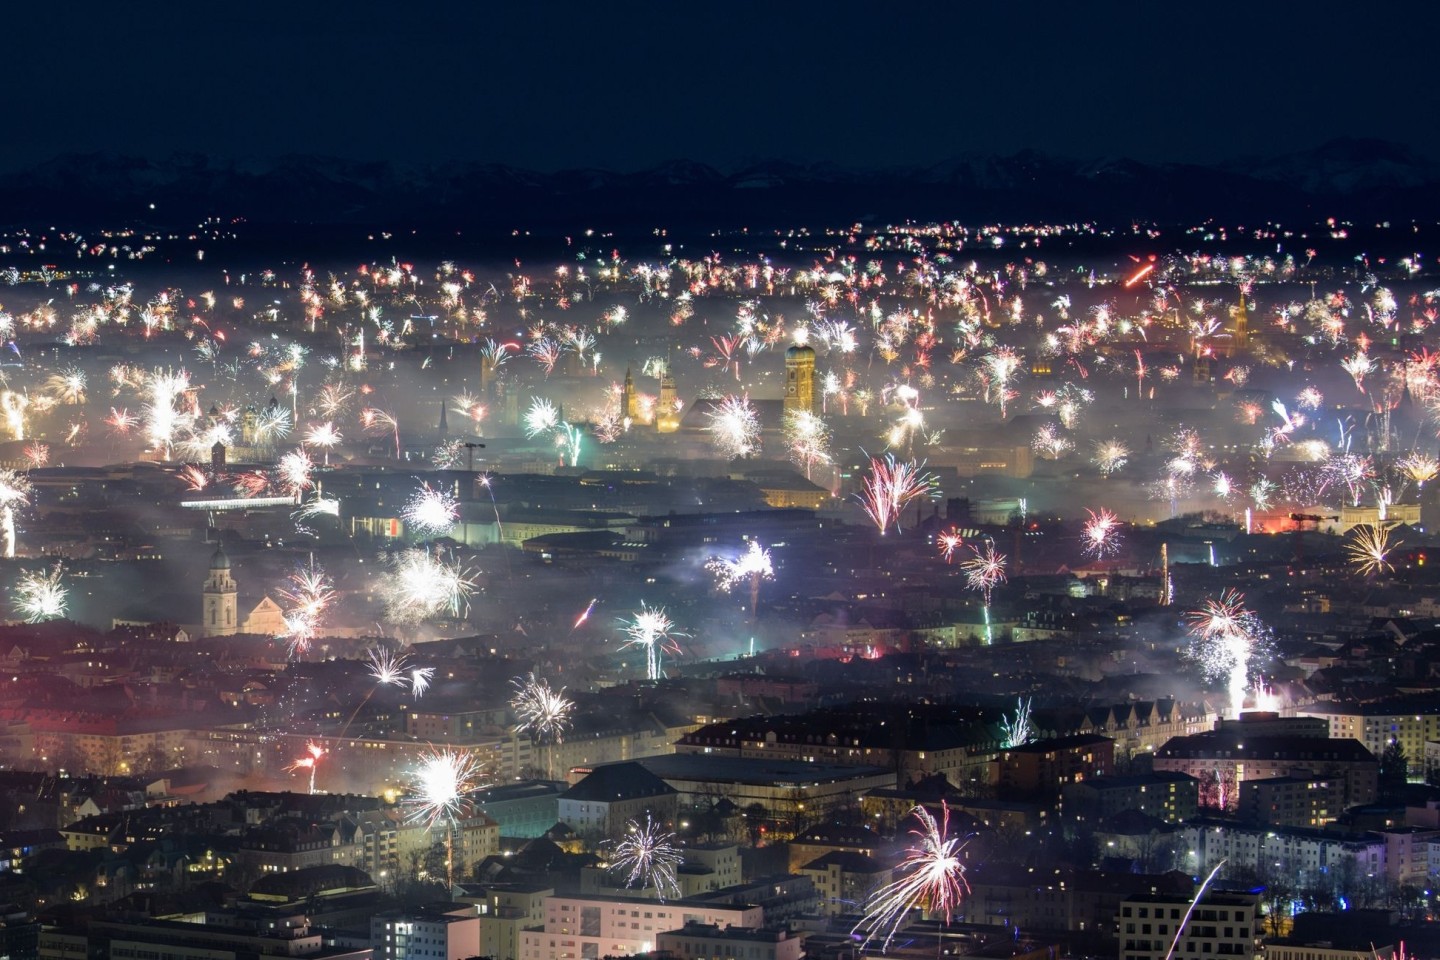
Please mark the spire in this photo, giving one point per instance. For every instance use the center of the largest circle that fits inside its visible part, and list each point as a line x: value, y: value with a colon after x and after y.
x: 444, y: 427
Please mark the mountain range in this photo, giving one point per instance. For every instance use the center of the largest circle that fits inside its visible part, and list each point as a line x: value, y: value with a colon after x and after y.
x: 1356, y: 179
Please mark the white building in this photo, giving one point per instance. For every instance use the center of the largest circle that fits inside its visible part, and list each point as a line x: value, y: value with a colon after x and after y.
x: 581, y: 927
x: 1222, y: 925
x: 1301, y: 853
x: 425, y: 934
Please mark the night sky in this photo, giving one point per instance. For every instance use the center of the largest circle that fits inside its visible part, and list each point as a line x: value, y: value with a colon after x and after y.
x: 628, y: 85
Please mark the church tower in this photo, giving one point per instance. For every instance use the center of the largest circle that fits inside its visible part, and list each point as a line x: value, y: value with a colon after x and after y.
x: 1241, y: 340
x: 220, y: 606
x: 799, y: 380
x: 667, y: 417
x: 629, y: 399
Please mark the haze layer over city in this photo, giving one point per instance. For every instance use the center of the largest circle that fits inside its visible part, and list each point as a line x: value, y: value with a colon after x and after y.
x: 449, y: 550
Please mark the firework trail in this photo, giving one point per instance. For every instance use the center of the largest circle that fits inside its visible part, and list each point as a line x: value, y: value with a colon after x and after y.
x: 585, y: 614
x: 1015, y: 728
x: 1191, y: 909
x: 313, y: 753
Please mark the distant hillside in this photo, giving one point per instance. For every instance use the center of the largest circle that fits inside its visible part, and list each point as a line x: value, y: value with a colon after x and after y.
x: 1349, y: 178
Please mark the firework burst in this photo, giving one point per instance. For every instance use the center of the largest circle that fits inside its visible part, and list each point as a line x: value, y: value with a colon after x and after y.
x: 41, y: 595
x: 307, y: 593
x: 648, y: 858
x: 313, y: 753
x: 1015, y: 728
x: 735, y: 427
x: 1370, y: 550
x: 431, y: 512
x: 440, y: 786
x: 751, y: 567
x: 15, y: 490
x: 387, y: 668
x: 1101, y: 535
x: 542, y: 712
x: 651, y: 629
x: 891, y: 487
x: 932, y: 878
x: 947, y: 542
x: 1110, y: 456
x: 1224, y: 639
x: 423, y: 585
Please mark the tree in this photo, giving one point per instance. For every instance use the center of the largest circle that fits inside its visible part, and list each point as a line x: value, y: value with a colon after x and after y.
x: 1394, y: 771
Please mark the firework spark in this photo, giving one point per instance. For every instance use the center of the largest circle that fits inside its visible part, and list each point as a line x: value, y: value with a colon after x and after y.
x: 932, y: 877
x: 441, y: 785
x: 423, y: 585
x: 891, y: 487
x: 1224, y: 636
x: 542, y: 712
x: 15, y: 490
x: 1370, y: 550
x: 648, y: 857
x: 307, y: 594
x: 431, y: 512
x: 41, y: 595
x: 651, y: 628
x: 751, y: 567
x: 313, y: 753
x: 1101, y: 535
x: 735, y: 427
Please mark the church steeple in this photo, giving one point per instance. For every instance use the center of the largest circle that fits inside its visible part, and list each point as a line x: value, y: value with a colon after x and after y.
x: 1241, y: 340
x: 629, y: 400
x: 219, y: 609
x: 667, y: 417
x: 799, y: 380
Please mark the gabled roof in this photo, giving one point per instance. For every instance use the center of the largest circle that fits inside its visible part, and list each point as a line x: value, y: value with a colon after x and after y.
x: 617, y: 781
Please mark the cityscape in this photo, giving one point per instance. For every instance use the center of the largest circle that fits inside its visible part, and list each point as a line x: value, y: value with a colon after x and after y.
x: 805, y: 560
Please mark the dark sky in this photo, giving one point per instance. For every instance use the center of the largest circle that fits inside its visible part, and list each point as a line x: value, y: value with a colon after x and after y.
x: 625, y: 85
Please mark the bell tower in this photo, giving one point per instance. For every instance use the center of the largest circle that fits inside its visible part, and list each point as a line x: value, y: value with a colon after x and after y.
x: 1241, y: 340
x: 799, y: 380
x: 219, y: 611
x: 667, y: 416
x: 629, y: 399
